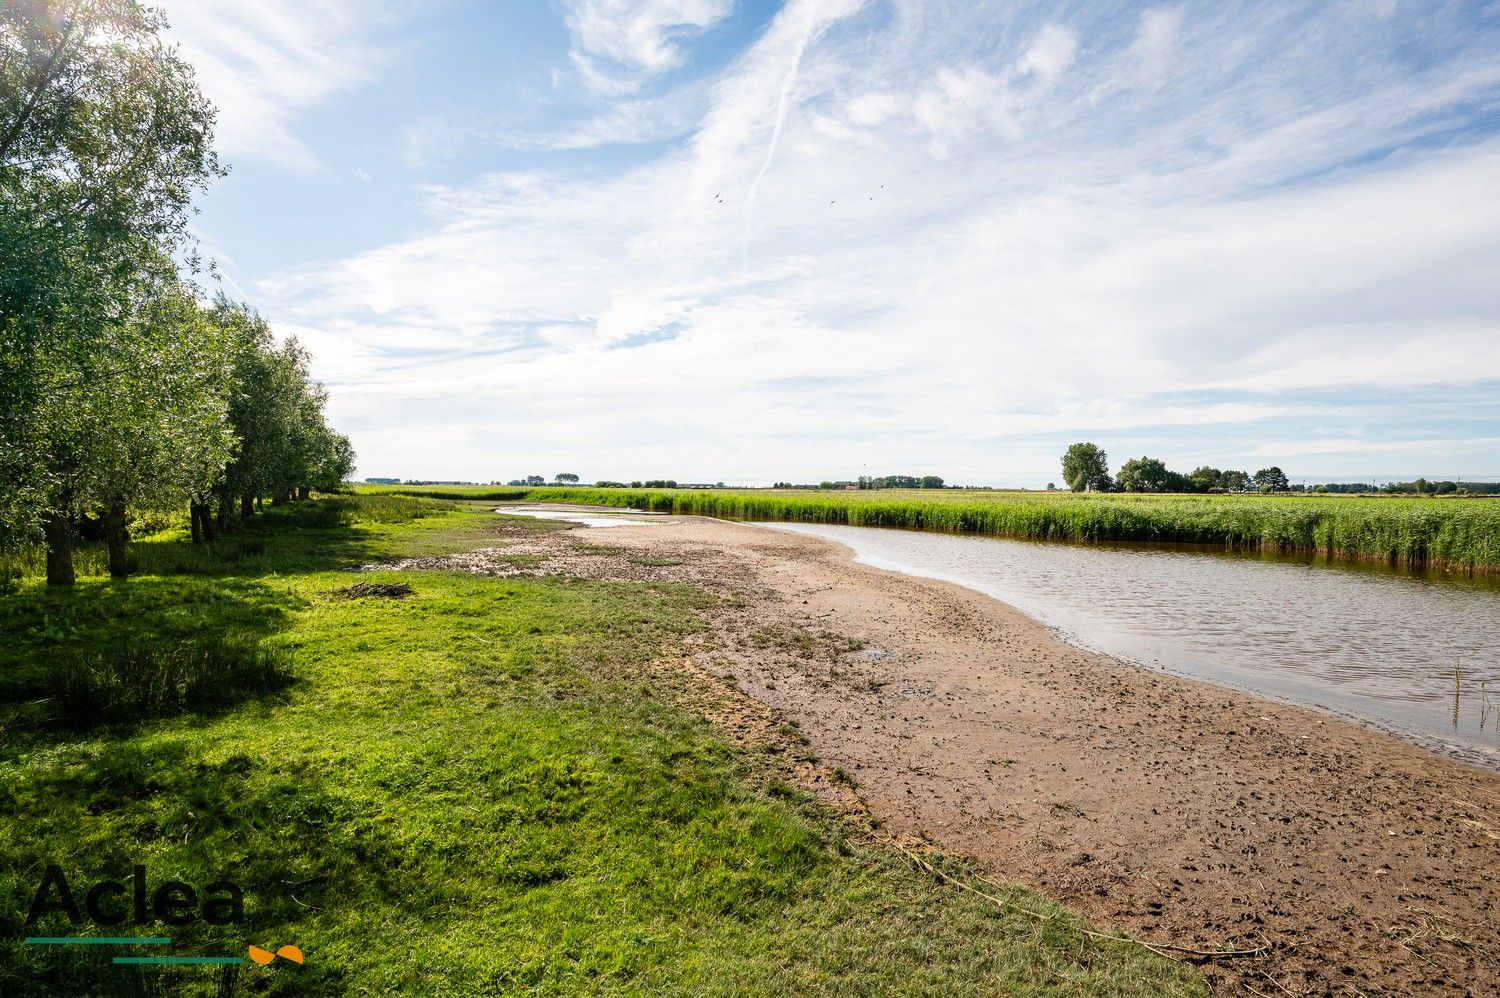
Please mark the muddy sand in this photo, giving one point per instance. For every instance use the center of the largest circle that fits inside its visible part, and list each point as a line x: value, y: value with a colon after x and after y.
x: 1184, y: 814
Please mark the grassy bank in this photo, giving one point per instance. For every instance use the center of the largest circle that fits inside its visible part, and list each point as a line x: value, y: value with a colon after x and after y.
x: 1455, y: 534
x: 477, y: 786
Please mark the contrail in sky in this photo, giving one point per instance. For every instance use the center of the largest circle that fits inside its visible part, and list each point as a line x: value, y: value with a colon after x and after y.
x: 782, y: 100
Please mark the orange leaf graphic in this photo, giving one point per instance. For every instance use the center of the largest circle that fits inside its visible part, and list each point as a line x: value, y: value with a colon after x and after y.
x: 262, y: 956
x: 290, y: 952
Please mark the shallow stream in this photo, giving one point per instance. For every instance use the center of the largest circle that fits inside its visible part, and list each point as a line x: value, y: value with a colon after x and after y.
x: 1416, y: 655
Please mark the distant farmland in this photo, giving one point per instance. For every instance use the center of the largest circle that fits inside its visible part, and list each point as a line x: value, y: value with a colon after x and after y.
x: 1449, y: 533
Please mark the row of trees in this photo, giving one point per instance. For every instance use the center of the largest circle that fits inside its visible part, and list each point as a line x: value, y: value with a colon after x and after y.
x: 561, y: 478
x: 900, y: 482
x: 1085, y: 468
x: 1424, y: 487
x: 649, y: 483
x: 1419, y: 486
x: 871, y: 482
x: 120, y: 389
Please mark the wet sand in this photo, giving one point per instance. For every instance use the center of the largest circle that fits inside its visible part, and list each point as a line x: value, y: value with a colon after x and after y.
x: 1185, y: 814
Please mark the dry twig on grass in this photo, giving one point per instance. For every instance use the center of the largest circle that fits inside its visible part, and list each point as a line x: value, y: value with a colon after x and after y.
x: 374, y: 590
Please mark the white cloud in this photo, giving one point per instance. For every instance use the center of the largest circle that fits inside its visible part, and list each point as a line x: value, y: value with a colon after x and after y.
x: 960, y: 102
x: 870, y: 110
x: 1030, y: 238
x: 263, y: 62
x: 617, y: 44
x: 1156, y: 33
x: 1052, y: 52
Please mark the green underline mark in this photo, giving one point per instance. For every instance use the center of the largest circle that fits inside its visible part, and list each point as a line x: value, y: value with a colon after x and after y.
x: 98, y: 940
x: 179, y: 959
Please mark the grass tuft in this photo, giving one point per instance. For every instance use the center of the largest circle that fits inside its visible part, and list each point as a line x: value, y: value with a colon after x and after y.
x: 153, y: 679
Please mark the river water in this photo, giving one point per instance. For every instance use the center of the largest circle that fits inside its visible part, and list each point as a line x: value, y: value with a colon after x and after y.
x: 1415, y: 655
x: 588, y: 517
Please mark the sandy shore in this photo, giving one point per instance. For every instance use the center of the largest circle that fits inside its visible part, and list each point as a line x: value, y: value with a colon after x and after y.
x: 1180, y: 812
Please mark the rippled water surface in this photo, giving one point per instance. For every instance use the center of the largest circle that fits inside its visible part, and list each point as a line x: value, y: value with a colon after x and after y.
x: 1417, y: 655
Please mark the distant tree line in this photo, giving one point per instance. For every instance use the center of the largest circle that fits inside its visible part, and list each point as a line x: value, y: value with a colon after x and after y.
x: 869, y: 482
x: 1423, y: 487
x: 1085, y: 468
x: 1346, y: 488
x: 561, y: 478
x: 121, y: 391
x: 900, y: 482
x: 650, y: 483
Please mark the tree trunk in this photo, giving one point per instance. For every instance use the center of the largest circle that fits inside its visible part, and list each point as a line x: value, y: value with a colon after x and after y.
x: 304, y: 492
x: 247, y: 507
x: 59, y: 535
x: 203, y: 522
x: 226, y: 507
x: 115, y: 536
x: 193, y: 519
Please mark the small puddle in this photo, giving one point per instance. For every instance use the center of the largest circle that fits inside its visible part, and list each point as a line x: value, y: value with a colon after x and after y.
x: 587, y: 518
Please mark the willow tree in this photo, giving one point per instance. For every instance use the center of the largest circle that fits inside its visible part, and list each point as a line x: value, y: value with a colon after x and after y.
x: 267, y: 385
x: 284, y: 447
x: 165, y: 436
x: 306, y: 452
x: 145, y: 441
x: 104, y: 140
x: 335, y: 463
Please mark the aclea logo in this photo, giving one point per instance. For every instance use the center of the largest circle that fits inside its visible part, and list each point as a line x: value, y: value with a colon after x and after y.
x: 172, y: 902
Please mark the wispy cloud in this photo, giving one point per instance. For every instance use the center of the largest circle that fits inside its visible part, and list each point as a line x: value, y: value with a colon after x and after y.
x: 619, y: 44
x: 540, y: 127
x: 799, y: 25
x: 263, y: 62
x: 939, y: 237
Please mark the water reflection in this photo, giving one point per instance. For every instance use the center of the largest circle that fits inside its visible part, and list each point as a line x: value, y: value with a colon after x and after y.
x: 1419, y: 655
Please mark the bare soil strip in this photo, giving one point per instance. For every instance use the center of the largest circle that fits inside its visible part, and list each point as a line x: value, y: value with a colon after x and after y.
x: 1182, y: 813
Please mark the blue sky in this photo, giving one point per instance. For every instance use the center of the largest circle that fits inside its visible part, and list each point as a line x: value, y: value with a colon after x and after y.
x: 740, y: 241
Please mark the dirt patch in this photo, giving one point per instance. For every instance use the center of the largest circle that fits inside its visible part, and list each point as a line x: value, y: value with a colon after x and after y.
x: 374, y: 590
x: 1182, y: 813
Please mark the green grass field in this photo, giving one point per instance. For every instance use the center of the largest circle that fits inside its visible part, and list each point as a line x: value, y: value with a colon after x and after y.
x: 479, y: 788
x: 1457, y: 534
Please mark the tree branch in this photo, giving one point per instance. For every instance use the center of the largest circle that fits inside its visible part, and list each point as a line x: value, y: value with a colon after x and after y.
x: 46, y: 77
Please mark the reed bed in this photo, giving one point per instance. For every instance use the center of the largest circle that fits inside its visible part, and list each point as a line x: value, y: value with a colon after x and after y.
x: 1450, y: 534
